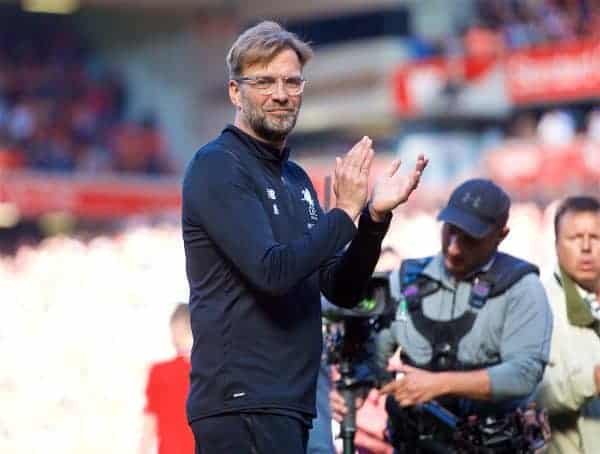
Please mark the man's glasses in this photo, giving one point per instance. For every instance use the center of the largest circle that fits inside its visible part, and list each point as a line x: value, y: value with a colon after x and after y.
x: 266, y: 84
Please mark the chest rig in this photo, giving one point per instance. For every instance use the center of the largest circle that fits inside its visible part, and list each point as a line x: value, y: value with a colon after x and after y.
x: 445, y: 335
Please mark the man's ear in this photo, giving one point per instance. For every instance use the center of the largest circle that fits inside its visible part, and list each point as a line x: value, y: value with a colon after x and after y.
x: 234, y: 94
x: 504, y: 231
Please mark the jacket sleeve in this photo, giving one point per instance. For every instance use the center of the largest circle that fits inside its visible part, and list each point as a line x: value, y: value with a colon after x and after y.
x: 568, y: 382
x: 344, y: 277
x: 566, y: 389
x: 525, y: 342
x: 220, y: 197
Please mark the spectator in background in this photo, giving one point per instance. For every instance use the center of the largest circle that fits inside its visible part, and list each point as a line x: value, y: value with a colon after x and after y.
x: 523, y: 128
x: 556, y: 128
x: 165, y: 421
x: 483, y: 42
x: 153, y: 146
x: 571, y: 384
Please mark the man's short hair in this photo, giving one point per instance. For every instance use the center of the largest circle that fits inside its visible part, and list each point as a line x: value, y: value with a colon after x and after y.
x: 260, y: 44
x: 181, y: 312
x: 576, y: 204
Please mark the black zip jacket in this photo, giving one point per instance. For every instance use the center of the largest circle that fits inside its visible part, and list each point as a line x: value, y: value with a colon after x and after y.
x: 259, y: 250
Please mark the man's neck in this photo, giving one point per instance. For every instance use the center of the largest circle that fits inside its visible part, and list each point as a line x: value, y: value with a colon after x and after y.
x: 468, y: 275
x: 252, y: 133
x: 590, y: 287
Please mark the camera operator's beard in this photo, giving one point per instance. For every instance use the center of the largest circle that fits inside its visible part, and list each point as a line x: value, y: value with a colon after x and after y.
x: 270, y: 127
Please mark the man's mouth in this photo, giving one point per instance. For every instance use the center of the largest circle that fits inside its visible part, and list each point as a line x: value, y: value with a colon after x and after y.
x: 586, y: 265
x: 454, y: 263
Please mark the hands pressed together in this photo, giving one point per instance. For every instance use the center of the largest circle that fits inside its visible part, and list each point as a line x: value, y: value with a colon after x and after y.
x: 351, y: 182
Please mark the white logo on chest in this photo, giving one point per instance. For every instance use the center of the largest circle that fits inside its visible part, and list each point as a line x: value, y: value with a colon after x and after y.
x: 312, y: 211
x: 307, y: 197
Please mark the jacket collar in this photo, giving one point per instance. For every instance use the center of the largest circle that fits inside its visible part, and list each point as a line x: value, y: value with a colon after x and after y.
x: 261, y: 150
x: 576, y: 299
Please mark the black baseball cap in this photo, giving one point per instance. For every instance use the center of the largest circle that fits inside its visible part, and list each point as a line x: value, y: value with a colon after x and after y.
x: 477, y: 207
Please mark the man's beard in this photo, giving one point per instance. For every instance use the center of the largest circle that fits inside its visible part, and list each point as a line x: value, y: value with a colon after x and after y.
x: 266, y: 127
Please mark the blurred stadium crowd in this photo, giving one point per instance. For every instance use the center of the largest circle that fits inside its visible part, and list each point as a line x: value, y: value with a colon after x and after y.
x: 544, y: 156
x: 502, y: 25
x: 97, y: 310
x: 86, y: 319
x: 63, y: 109
x: 522, y: 23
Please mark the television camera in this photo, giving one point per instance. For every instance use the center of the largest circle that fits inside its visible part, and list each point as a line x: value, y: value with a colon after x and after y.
x: 349, y: 341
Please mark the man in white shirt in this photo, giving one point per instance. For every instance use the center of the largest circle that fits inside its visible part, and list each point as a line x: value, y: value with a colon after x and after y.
x: 571, y: 383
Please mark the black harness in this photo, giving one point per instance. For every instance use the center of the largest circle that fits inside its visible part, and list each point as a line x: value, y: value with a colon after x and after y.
x: 412, y: 429
x: 444, y: 336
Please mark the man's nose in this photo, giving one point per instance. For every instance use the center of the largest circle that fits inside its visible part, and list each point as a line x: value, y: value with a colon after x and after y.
x: 279, y: 92
x: 453, y: 245
x: 586, y: 243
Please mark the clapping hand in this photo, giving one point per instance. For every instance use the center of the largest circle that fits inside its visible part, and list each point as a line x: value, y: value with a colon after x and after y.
x: 351, y: 178
x: 393, y: 188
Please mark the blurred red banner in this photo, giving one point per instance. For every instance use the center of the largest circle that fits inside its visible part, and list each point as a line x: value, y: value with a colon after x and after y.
x: 439, y: 85
x: 560, y: 72
x: 538, y: 167
x: 92, y: 197
x: 490, y: 85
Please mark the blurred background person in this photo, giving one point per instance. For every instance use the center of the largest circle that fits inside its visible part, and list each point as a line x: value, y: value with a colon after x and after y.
x: 571, y: 384
x: 165, y: 428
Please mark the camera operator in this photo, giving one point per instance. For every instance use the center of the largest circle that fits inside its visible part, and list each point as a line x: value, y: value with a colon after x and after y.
x: 474, y: 326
